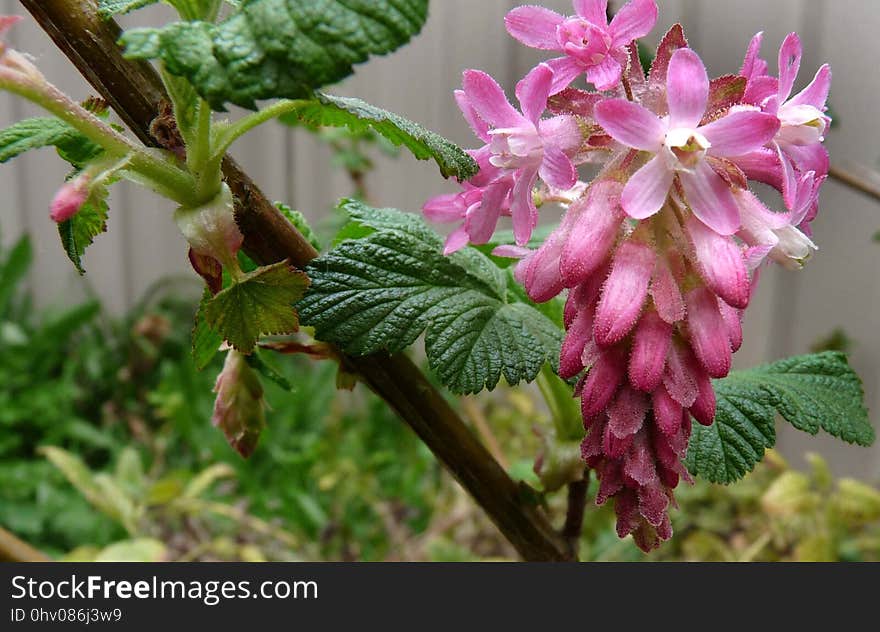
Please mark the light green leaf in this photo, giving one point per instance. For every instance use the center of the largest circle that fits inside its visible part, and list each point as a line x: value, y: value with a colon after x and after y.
x: 205, y: 341
x: 260, y: 304
x: 358, y: 116
x: 278, y: 48
x: 138, y: 550
x: 300, y: 222
x: 382, y: 291
x: 80, y: 231
x: 204, y: 480
x: 48, y: 131
x: 109, y: 8
x: 188, y: 9
x: 812, y: 392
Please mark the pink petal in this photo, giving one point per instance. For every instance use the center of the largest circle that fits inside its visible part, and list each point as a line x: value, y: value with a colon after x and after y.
x: 753, y: 66
x: 602, y: 381
x: 789, y: 179
x: 759, y: 92
x: 679, y: 377
x: 478, y: 125
x: 456, y: 240
x: 740, y: 132
x: 522, y: 206
x: 631, y: 124
x: 639, y: 464
x: 444, y: 208
x: 594, y: 11
x: 815, y: 94
x: 488, y: 100
x: 634, y: 20
x: 704, y: 406
x: 710, y: 199
x: 624, y: 292
x: 648, y: 188
x: 533, y: 91
x: 557, y: 169
x: 789, y: 65
x: 721, y: 264
x: 565, y: 70
x: 687, y: 89
x: 647, y: 360
x: 733, y: 320
x: 595, y: 222
x: 542, y: 278
x: 667, y: 412
x: 511, y: 252
x: 707, y: 332
x: 762, y: 165
x: 482, y: 218
x: 606, y: 74
x: 627, y: 413
x: 666, y: 294
x: 576, y: 338
x: 534, y: 26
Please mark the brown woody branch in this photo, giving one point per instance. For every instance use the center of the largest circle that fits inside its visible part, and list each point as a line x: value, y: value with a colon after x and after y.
x: 14, y: 550
x: 135, y: 91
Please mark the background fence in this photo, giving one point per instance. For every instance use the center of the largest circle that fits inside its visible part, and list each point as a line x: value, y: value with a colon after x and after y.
x: 839, y: 288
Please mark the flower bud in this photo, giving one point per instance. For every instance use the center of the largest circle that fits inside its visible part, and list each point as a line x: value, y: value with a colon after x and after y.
x: 647, y: 360
x: 239, y: 407
x: 708, y: 332
x: 624, y: 292
x: 211, y: 229
x: 70, y: 198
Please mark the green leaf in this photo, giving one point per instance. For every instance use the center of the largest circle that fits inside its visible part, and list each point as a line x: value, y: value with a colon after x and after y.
x: 278, y: 48
x: 109, y: 8
x: 35, y: 133
x: 259, y: 304
x: 811, y: 392
x: 382, y: 291
x: 205, y: 341
x: 80, y: 231
x: 359, y: 116
x: 188, y: 9
x: 300, y: 222
x: 13, y: 270
x: 259, y: 364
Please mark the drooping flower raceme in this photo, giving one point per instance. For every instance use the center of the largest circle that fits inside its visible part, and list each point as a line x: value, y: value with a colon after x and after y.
x: 659, y: 255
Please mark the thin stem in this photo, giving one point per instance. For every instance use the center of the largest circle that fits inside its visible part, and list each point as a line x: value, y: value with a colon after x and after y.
x: 201, y: 155
x: 574, y: 516
x: 230, y: 132
x: 564, y: 409
x: 858, y: 178
x: 157, y: 170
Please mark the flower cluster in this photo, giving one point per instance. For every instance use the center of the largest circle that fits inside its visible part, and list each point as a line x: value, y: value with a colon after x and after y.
x: 660, y: 253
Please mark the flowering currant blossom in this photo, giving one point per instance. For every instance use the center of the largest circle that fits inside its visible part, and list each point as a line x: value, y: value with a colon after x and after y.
x: 591, y: 45
x: 797, y: 147
x: 519, y: 148
x: 658, y: 256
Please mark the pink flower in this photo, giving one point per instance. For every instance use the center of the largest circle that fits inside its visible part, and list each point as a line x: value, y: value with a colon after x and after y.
x: 520, y: 147
x: 591, y: 45
x: 681, y: 145
x: 70, y: 198
x: 802, y: 118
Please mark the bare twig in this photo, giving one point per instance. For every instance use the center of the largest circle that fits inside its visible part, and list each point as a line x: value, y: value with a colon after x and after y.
x: 574, y: 516
x: 14, y: 550
x: 135, y: 92
x: 865, y: 181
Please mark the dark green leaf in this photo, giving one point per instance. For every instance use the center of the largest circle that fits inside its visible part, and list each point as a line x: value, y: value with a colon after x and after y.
x: 205, y: 341
x: 812, y: 392
x: 359, y: 116
x: 260, y: 304
x: 381, y: 292
x: 278, y: 48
